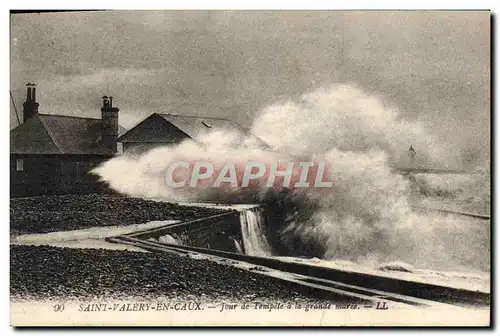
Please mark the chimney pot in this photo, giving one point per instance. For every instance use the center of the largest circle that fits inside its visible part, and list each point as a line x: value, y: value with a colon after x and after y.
x: 109, y: 124
x: 30, y: 106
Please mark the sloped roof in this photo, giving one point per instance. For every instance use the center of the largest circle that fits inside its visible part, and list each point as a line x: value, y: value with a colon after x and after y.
x: 192, y: 126
x: 56, y: 134
x: 196, y: 127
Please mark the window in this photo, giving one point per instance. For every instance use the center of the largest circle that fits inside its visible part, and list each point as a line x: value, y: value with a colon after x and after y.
x: 19, y: 164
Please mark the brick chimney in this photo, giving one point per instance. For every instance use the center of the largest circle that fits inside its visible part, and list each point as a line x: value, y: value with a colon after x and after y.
x: 109, y: 124
x: 30, y: 106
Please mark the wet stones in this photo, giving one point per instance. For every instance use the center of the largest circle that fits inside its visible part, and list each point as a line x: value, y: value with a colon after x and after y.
x: 41, y: 272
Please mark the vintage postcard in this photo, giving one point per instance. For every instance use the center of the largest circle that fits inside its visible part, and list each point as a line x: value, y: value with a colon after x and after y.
x: 250, y: 168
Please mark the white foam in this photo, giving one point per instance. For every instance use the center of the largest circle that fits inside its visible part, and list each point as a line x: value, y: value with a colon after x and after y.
x: 254, y: 241
x: 479, y: 281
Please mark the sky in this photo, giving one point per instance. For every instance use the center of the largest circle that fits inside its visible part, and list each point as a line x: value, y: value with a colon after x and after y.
x: 433, y: 66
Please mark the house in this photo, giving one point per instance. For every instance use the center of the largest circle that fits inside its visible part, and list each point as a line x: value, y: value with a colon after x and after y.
x: 166, y: 129
x: 53, y: 154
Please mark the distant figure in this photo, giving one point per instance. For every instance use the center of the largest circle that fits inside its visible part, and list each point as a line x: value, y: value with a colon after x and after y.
x: 412, y: 152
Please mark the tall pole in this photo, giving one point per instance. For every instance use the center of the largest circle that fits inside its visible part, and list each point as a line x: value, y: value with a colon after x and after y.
x: 15, y: 108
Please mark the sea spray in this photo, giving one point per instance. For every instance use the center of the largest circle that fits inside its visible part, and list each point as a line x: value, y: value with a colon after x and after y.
x: 254, y: 240
x: 366, y: 215
x: 238, y: 247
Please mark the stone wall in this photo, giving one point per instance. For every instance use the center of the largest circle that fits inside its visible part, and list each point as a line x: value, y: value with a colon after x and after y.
x: 219, y: 232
